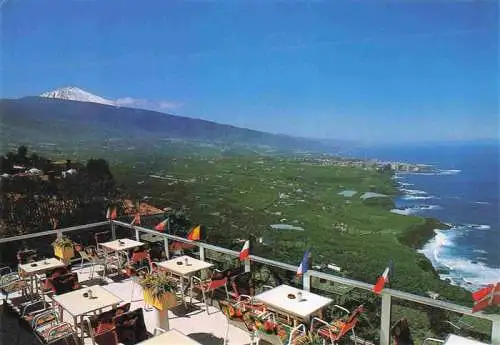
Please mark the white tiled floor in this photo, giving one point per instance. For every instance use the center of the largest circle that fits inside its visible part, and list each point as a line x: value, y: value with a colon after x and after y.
x: 208, y: 329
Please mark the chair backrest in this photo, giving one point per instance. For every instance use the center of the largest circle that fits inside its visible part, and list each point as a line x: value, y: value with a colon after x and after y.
x: 101, y: 237
x: 104, y: 322
x: 242, y: 284
x: 64, y: 283
x: 46, y: 283
x: 351, y: 322
x: 27, y: 255
x: 216, y: 283
x: 130, y: 327
x: 140, y: 257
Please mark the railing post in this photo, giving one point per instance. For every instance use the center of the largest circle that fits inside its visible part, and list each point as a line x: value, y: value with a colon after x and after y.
x: 306, y: 282
x: 137, y: 235
x: 385, y: 322
x: 247, y: 265
x: 165, y: 245
x: 495, y: 332
x: 202, y: 258
x: 202, y: 254
x: 59, y: 233
x: 113, y: 230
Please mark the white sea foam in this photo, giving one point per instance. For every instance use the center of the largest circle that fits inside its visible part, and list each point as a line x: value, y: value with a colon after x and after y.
x: 480, y: 251
x: 413, y: 191
x: 417, y: 197
x: 415, y: 209
x: 470, y: 274
x: 450, y: 172
x: 479, y: 226
x: 406, y: 184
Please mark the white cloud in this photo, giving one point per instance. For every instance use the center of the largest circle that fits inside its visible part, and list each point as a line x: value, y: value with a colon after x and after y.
x: 147, y: 104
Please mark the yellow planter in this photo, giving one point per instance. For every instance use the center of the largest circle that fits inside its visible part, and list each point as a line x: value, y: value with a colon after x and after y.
x: 64, y: 253
x: 166, y: 302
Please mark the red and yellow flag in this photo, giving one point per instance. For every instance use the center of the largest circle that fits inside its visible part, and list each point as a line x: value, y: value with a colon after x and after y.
x: 195, y: 233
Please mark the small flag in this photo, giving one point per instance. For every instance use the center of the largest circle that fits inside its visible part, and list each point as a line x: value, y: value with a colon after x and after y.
x: 195, y: 234
x: 162, y: 226
x: 136, y: 220
x: 245, y: 251
x: 304, y: 264
x: 383, y: 279
x: 485, y: 297
x: 111, y: 214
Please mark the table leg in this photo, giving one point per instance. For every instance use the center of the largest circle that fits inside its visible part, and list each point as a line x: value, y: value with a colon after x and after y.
x: 82, y: 337
x: 182, y: 292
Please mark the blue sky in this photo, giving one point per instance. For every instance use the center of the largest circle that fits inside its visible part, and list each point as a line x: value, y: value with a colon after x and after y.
x: 376, y: 71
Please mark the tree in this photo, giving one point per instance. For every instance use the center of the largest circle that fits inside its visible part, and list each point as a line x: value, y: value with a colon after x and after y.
x: 22, y: 152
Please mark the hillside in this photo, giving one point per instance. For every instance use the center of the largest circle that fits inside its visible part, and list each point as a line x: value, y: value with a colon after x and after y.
x: 35, y: 120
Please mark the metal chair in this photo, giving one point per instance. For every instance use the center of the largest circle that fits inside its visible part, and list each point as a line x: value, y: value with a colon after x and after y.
x: 336, y: 330
x: 208, y: 286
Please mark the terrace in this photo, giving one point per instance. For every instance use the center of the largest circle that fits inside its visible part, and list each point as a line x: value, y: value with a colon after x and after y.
x: 209, y: 328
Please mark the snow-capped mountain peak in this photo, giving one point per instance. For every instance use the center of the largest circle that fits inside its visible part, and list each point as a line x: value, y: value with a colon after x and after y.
x: 73, y: 93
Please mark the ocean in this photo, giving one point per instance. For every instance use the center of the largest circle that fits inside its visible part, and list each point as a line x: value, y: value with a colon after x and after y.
x: 464, y: 193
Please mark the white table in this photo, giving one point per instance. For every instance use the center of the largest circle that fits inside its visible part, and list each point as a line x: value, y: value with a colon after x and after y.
x: 41, y: 266
x: 453, y: 339
x: 31, y: 269
x: 77, y: 305
x: 123, y: 244
x: 278, y: 300
x: 178, y: 267
x: 173, y: 337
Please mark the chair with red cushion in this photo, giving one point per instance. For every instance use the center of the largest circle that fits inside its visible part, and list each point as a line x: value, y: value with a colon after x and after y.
x: 216, y: 281
x: 140, y: 264
x: 337, y: 329
x: 101, y: 327
x: 130, y: 327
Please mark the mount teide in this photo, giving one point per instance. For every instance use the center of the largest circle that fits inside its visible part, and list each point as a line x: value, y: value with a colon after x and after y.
x: 71, y: 117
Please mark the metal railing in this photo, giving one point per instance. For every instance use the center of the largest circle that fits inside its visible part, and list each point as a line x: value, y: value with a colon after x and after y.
x: 387, y: 294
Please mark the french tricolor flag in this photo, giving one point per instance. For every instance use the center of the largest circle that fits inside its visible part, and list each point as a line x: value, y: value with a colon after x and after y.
x: 245, y: 251
x: 304, y: 264
x: 162, y: 226
x: 383, y: 279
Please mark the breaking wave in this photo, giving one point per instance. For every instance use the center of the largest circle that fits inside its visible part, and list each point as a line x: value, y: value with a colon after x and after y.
x: 415, y: 209
x: 452, y: 262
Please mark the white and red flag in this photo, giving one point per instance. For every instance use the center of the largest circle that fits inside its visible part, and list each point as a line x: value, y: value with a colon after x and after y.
x: 136, y: 220
x: 245, y: 251
x: 485, y: 297
x: 162, y: 226
x: 383, y: 279
x: 111, y: 214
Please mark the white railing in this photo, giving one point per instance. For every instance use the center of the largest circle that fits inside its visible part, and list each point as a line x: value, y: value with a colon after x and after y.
x: 387, y: 294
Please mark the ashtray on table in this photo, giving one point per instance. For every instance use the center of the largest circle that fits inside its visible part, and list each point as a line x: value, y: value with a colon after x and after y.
x: 179, y: 262
x: 33, y: 265
x: 291, y: 296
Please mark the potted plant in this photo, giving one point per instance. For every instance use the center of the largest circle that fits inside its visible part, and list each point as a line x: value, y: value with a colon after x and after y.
x: 159, y: 291
x: 63, y: 248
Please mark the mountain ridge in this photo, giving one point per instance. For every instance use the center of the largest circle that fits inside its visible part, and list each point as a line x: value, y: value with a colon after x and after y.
x: 87, y: 121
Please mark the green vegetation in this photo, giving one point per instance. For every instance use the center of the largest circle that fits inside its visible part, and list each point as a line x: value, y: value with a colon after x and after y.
x: 241, y: 197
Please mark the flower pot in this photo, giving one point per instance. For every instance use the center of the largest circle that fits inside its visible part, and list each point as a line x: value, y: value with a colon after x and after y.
x: 167, y: 301
x: 64, y: 253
